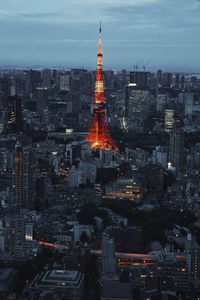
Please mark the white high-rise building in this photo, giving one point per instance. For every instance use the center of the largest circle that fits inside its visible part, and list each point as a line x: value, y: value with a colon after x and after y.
x: 161, y: 102
x: 90, y: 170
x: 188, y: 103
x: 29, y: 232
x: 169, y: 120
x: 76, y: 177
x: 65, y: 82
x: 161, y: 156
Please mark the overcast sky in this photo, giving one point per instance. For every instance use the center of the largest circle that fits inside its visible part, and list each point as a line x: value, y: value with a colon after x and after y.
x: 64, y: 32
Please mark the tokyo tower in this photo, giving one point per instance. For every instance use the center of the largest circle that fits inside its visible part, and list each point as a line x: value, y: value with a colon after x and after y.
x: 99, y: 136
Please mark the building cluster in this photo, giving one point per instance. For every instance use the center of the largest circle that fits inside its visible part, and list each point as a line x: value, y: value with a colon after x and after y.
x: 163, y: 273
x: 59, y: 193
x: 99, y: 195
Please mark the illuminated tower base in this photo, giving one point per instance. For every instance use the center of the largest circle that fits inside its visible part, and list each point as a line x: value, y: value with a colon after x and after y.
x: 99, y: 135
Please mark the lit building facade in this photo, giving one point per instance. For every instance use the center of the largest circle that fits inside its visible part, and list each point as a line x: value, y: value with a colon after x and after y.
x: 169, y: 120
x: 23, y: 176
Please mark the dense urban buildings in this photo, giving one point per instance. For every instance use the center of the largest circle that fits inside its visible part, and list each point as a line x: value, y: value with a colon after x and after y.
x: 99, y: 184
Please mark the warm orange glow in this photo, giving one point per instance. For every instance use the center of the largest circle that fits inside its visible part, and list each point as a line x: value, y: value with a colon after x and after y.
x: 51, y: 245
x: 99, y: 136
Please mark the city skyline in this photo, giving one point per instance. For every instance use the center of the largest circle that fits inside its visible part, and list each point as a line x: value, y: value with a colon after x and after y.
x: 164, y: 32
x: 99, y: 171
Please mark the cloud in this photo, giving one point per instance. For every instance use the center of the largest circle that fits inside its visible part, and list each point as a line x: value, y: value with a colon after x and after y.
x: 117, y: 2
x: 70, y: 11
x: 38, y: 15
x: 131, y: 28
x: 25, y: 16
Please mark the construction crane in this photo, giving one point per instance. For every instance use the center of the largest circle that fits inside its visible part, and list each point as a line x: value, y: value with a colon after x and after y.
x: 146, y: 64
x: 136, y: 66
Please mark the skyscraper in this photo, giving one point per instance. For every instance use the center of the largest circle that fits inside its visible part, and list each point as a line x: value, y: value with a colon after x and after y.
x: 176, y: 149
x: 14, y: 113
x: 108, y: 256
x: 28, y: 176
x: 182, y: 81
x: 32, y: 81
x: 169, y: 120
x: 177, y: 80
x: 75, y: 93
x: 5, y: 89
x: 192, y: 259
x: 137, y: 104
x: 99, y: 136
x: 46, y: 78
x: 65, y: 80
x: 188, y: 103
x: 23, y: 169
x: 167, y: 79
x: 19, y: 87
x: 18, y: 175
x: 140, y: 78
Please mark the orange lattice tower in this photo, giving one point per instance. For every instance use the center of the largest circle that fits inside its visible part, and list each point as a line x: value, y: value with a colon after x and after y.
x: 99, y: 136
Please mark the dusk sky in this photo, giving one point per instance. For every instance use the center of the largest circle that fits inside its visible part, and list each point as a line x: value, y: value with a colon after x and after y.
x: 64, y: 33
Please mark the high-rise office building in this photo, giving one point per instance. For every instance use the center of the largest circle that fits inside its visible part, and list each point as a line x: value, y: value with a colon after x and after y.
x: 87, y: 83
x: 108, y: 256
x: 73, y: 152
x: 159, y: 77
x: 137, y: 104
x: 75, y: 94
x: 192, y: 259
x: 161, y: 102
x: 193, y: 158
x: 32, y: 81
x: 167, y: 79
x: 14, y: 113
x: 76, y: 177
x: 23, y: 179
x: 188, y: 103
x: 17, y: 175
x: 20, y: 87
x: 28, y: 176
x: 19, y: 235
x: 140, y: 79
x: 177, y: 80
x: 16, y: 235
x: 5, y: 90
x: 65, y: 82
x: 169, y: 120
x: 176, y: 149
x: 161, y: 155
x: 90, y: 170
x: 46, y: 78
x: 182, y: 81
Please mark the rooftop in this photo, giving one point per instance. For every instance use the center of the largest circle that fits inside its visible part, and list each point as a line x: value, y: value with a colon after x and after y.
x: 117, y: 290
x: 58, y: 279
